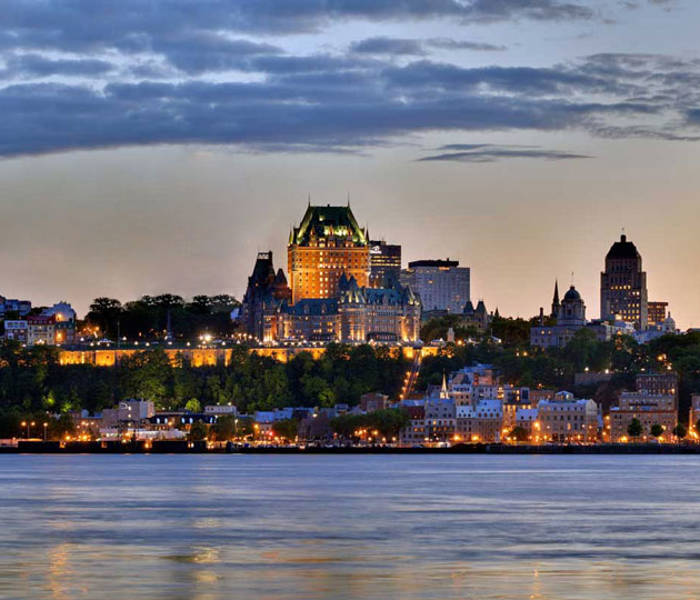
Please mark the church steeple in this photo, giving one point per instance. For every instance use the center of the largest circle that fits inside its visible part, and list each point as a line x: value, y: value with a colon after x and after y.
x: 555, y: 300
x: 443, y: 389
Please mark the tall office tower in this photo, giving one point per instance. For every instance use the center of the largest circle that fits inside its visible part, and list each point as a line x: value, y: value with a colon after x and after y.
x: 327, y: 244
x: 441, y: 284
x: 623, y: 285
x: 384, y: 264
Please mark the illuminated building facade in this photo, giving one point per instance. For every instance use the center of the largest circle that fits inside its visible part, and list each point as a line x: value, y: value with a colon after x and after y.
x: 384, y: 264
x: 623, y: 286
x: 356, y: 315
x: 266, y: 292
x: 648, y: 409
x: 664, y: 384
x: 441, y: 284
x: 657, y: 312
x: 327, y: 244
x: 381, y: 314
x: 567, y: 419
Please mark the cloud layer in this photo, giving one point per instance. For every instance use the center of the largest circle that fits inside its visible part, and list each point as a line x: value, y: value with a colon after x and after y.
x: 480, y: 153
x: 79, y: 74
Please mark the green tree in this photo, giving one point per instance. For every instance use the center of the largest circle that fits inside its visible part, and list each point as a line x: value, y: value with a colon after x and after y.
x: 105, y: 313
x: 198, y: 432
x: 286, y: 429
x: 680, y: 431
x: 224, y: 428
x: 519, y: 433
x: 147, y: 375
x: 634, y: 429
x: 193, y: 406
x: 656, y: 430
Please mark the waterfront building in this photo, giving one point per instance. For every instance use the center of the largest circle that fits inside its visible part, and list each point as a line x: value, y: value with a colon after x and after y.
x: 649, y: 408
x: 328, y: 244
x: 567, y: 419
x: 694, y: 413
x: 440, y: 419
x: 135, y: 411
x: 384, y: 264
x: 480, y: 421
x: 266, y: 292
x: 526, y: 418
x: 623, y: 286
x: 440, y: 284
x: 440, y: 415
x: 414, y: 434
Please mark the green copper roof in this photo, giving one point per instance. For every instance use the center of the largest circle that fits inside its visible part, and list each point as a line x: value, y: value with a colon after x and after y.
x: 326, y: 222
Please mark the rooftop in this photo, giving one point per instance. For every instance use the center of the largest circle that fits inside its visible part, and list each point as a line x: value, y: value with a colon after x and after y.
x: 622, y: 250
x: 328, y: 221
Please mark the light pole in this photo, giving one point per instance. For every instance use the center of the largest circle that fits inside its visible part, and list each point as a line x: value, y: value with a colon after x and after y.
x: 45, y: 426
x: 24, y: 424
x: 32, y: 424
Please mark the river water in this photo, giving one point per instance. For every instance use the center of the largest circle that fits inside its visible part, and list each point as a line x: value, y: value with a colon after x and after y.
x: 341, y: 527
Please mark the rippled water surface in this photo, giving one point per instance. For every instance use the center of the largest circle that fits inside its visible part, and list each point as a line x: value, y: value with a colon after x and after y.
x: 308, y: 527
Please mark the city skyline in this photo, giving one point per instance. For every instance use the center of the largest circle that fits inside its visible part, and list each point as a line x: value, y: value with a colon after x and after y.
x: 182, y: 147
x: 240, y: 295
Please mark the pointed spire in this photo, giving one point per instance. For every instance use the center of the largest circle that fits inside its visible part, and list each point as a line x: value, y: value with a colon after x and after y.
x: 443, y: 388
x: 309, y: 204
x: 348, y: 199
x: 556, y: 292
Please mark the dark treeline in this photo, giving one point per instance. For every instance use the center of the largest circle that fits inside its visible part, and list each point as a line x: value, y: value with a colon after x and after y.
x: 512, y: 332
x: 147, y: 317
x: 32, y: 383
x: 555, y: 367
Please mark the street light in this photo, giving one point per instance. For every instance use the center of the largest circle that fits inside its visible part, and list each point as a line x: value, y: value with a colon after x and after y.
x: 24, y: 424
x: 45, y: 426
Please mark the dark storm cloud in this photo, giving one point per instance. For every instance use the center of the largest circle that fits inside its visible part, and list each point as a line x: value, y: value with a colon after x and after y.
x: 480, y: 153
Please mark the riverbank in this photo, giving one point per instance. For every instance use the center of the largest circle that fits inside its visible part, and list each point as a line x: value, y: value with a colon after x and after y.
x: 182, y: 447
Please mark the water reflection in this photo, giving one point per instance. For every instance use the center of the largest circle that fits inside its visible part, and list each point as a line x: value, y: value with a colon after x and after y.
x: 316, y: 527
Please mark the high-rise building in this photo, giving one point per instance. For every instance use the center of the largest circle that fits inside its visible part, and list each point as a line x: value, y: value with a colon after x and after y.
x: 657, y: 312
x: 384, y: 264
x: 623, y: 286
x: 327, y: 244
x: 440, y: 284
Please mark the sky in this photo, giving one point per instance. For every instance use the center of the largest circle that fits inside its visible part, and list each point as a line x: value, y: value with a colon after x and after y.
x: 157, y: 147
